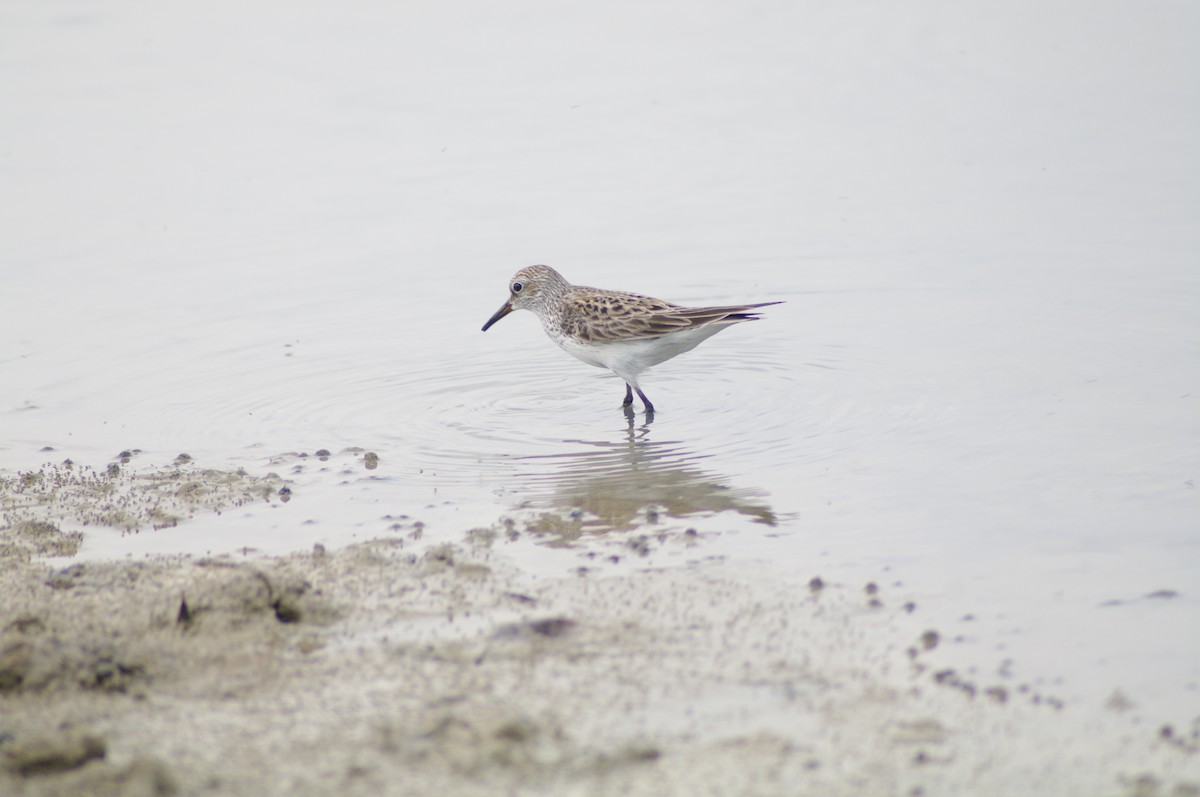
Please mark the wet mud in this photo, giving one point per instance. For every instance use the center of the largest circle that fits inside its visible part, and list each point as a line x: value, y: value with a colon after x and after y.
x: 391, y: 668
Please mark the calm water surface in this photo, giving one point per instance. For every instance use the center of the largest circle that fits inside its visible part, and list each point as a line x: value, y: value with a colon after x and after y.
x: 981, y: 389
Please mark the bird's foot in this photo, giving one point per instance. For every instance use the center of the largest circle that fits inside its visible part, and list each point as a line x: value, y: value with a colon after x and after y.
x: 646, y: 402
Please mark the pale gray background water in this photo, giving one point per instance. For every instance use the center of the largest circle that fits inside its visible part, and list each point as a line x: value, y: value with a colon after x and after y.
x: 240, y: 230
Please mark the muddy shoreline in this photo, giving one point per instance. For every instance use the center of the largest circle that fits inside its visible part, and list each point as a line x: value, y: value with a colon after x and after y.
x: 383, y: 668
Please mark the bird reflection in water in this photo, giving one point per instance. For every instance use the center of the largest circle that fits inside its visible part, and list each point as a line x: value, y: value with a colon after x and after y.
x: 627, y: 484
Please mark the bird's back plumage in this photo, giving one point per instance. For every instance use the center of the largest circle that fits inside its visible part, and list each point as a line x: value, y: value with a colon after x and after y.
x: 598, y: 315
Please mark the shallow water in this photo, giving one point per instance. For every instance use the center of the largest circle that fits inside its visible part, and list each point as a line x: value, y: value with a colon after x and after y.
x: 982, y: 386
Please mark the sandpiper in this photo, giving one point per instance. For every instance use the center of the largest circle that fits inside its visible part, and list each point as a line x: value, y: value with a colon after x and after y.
x: 623, y: 332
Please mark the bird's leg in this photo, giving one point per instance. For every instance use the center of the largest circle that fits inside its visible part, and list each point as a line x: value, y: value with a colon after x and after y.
x: 628, y: 395
x: 646, y: 401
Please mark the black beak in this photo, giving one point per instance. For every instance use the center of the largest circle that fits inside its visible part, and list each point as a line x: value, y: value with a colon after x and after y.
x: 503, y: 311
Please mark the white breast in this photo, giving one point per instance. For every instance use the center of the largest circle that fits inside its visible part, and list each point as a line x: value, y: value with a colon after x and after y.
x: 628, y: 358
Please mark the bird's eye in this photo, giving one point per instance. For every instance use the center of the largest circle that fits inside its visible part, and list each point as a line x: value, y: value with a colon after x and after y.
x: 517, y: 287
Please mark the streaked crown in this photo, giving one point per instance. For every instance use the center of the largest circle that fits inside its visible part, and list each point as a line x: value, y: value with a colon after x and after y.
x: 534, y: 287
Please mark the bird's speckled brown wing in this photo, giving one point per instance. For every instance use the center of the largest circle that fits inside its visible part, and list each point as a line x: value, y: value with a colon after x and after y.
x: 598, y: 316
